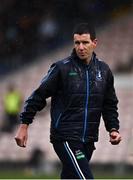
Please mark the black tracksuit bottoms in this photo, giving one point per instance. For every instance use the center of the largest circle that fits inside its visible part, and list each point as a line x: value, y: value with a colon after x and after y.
x: 75, y: 157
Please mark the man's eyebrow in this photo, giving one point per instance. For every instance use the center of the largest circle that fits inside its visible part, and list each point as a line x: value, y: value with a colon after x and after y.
x: 83, y: 41
x: 77, y: 41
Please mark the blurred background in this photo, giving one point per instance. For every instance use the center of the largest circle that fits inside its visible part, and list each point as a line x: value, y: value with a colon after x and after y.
x: 34, y: 34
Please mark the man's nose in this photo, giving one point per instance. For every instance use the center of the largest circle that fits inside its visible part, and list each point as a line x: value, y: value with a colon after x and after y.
x: 81, y: 46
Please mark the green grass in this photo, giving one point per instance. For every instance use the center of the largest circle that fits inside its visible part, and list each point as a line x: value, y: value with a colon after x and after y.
x: 112, y: 176
x: 29, y: 175
x: 25, y: 175
x: 108, y: 174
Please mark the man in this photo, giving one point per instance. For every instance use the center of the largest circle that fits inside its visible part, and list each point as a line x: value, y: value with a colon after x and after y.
x: 82, y: 90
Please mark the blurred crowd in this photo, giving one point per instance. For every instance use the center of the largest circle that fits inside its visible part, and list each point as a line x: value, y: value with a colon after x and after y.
x: 30, y: 28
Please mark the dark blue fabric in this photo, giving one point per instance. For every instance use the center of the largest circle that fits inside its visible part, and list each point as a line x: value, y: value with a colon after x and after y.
x: 80, y: 95
x: 75, y: 157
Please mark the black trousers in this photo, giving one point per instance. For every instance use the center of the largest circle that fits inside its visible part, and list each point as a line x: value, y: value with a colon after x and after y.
x: 75, y: 157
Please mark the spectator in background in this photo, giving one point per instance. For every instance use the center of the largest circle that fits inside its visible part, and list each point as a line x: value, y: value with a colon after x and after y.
x: 48, y: 29
x: 36, y: 160
x: 12, y: 106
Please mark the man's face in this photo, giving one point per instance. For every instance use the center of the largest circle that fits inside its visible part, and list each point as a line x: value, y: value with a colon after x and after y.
x: 84, y: 46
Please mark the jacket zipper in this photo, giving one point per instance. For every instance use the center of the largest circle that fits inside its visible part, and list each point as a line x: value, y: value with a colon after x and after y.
x: 86, y: 105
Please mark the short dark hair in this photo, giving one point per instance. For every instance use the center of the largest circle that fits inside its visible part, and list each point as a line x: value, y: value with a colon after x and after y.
x: 85, y: 28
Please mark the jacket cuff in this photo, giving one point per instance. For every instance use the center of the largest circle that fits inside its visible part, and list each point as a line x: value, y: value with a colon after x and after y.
x: 113, y: 129
x: 25, y: 123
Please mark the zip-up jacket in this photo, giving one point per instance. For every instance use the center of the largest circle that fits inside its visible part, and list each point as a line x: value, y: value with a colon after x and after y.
x: 80, y: 95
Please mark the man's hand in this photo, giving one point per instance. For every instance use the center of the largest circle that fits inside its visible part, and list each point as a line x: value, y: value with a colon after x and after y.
x: 22, y: 135
x: 115, y: 137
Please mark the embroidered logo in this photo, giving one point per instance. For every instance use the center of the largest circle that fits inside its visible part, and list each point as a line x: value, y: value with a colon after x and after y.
x: 99, y: 76
x: 72, y: 73
x: 79, y: 154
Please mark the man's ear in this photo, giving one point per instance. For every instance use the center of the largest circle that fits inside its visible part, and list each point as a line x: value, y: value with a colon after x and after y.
x: 95, y: 43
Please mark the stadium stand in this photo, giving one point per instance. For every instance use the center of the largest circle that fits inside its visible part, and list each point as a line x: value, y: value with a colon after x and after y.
x: 115, y: 46
x: 116, y: 41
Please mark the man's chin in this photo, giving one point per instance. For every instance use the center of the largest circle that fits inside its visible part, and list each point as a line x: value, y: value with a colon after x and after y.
x: 82, y: 57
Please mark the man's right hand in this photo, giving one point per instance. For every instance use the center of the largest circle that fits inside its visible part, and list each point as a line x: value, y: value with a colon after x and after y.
x: 22, y: 135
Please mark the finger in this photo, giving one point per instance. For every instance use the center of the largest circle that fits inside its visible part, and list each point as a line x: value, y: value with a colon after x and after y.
x: 19, y: 142
x: 115, y: 142
x: 118, y: 138
x: 115, y: 136
x: 25, y: 142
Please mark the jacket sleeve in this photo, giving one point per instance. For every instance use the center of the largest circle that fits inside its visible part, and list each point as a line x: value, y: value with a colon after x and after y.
x: 37, y: 100
x: 110, y: 110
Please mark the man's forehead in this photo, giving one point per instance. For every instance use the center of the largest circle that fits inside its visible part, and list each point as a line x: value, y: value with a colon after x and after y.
x: 82, y: 36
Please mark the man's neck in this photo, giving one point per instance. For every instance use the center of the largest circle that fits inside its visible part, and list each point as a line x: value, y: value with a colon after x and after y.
x: 87, y: 61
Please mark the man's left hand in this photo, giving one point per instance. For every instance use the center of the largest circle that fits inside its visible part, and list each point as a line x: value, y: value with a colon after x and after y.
x: 115, y: 138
